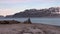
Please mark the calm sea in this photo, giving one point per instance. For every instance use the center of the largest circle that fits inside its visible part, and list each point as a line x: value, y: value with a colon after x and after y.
x: 51, y: 21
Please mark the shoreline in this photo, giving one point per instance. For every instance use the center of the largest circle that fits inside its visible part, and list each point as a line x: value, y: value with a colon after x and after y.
x: 15, y: 27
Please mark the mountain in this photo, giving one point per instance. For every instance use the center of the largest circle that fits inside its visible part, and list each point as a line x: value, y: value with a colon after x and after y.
x: 9, y: 16
x: 1, y: 16
x: 50, y: 12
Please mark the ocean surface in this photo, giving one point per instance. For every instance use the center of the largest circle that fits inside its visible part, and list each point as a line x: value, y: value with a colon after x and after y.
x: 51, y: 21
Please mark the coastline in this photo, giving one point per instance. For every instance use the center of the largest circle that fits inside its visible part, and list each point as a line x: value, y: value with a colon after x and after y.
x: 19, y: 28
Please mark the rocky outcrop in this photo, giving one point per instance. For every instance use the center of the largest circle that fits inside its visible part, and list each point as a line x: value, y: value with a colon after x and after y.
x: 15, y: 22
x: 27, y: 21
x: 9, y: 22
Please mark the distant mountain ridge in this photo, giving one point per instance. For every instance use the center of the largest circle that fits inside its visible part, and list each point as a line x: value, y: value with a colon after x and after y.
x: 50, y: 12
x: 1, y: 16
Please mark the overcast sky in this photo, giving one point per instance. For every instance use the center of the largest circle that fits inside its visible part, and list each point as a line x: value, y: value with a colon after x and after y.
x: 8, y: 7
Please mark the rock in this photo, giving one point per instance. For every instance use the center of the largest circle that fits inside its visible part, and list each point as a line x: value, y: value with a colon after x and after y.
x: 4, y: 22
x: 9, y: 22
x: 13, y: 22
x: 27, y: 21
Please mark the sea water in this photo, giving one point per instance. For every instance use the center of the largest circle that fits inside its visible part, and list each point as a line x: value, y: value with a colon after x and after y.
x: 51, y: 21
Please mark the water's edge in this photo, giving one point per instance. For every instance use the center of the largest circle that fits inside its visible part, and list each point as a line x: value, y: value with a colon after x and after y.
x: 51, y: 21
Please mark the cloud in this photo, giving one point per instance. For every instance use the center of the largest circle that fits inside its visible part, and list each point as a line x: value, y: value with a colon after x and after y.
x: 13, y: 1
x: 45, y: 1
x: 22, y: 1
x: 7, y: 11
x: 28, y: 4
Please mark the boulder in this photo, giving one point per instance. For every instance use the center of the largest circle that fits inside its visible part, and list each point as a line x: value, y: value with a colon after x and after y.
x: 4, y: 22
x: 9, y: 22
x: 27, y: 21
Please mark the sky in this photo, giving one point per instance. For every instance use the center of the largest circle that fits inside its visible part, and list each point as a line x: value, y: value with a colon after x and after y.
x: 9, y: 7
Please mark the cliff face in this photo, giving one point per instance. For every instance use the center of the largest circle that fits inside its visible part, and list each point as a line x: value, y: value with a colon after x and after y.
x: 50, y: 12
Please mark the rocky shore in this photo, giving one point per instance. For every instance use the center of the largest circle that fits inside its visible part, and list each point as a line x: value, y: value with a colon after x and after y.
x: 15, y: 22
x: 15, y: 27
x: 9, y: 22
x: 28, y: 29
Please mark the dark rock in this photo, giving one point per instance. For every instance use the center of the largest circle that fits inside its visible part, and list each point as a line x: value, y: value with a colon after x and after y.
x: 9, y: 22
x: 27, y: 21
x: 13, y: 22
x: 4, y: 22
